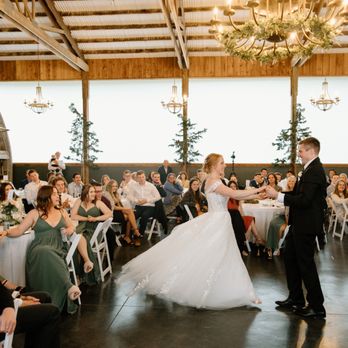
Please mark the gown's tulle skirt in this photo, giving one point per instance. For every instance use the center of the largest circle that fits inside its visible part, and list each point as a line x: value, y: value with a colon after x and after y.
x: 198, y: 265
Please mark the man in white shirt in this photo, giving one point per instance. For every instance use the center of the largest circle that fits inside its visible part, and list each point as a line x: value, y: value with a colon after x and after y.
x: 143, y: 196
x: 66, y: 201
x: 33, y: 187
x: 76, y: 186
x: 125, y: 185
x: 56, y: 165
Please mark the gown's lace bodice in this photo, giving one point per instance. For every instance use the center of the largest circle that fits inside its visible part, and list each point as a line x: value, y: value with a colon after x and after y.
x: 216, y: 202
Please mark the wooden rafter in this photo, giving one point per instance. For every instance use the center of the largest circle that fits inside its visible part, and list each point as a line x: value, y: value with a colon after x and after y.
x: 179, y: 26
x: 24, y: 24
x: 51, y: 11
x: 171, y: 33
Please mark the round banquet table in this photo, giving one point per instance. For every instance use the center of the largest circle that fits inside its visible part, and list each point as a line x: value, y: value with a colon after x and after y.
x: 263, y: 215
x: 13, y: 253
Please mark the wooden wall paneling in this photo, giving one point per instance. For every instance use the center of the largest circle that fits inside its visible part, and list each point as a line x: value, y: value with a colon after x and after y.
x: 149, y: 68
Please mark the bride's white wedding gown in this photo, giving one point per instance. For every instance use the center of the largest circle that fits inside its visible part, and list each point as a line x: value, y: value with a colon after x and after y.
x: 198, y: 264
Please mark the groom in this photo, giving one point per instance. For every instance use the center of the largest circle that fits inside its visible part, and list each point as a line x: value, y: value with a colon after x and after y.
x: 307, y: 203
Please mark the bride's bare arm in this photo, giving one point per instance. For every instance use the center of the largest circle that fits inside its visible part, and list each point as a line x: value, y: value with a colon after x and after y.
x: 239, y: 194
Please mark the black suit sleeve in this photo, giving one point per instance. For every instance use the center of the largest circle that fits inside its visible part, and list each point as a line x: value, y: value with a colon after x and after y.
x: 6, y: 299
x: 308, y: 190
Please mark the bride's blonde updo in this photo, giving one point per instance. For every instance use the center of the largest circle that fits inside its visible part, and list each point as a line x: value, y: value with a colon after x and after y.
x: 210, y: 161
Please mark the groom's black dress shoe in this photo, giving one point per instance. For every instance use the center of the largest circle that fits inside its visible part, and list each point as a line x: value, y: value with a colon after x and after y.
x: 308, y: 312
x: 290, y: 304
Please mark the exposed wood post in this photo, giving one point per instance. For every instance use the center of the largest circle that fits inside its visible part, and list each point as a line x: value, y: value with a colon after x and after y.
x: 185, y: 92
x: 85, y: 110
x: 294, y: 93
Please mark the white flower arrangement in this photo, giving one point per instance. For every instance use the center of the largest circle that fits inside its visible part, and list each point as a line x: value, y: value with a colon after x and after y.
x: 9, y: 213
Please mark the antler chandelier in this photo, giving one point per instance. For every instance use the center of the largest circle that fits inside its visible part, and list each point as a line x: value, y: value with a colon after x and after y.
x: 324, y: 102
x: 279, y: 28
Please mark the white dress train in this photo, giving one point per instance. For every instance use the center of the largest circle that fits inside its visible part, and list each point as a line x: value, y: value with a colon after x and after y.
x: 198, y: 264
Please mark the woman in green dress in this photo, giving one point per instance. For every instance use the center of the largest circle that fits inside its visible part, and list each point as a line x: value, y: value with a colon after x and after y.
x: 278, y: 224
x: 89, y: 211
x: 46, y: 269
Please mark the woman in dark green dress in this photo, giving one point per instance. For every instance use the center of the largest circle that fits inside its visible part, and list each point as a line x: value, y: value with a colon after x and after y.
x: 278, y: 224
x: 46, y: 269
x: 89, y: 211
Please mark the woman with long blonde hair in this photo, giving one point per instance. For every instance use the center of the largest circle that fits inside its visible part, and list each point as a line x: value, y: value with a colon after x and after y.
x: 199, y: 263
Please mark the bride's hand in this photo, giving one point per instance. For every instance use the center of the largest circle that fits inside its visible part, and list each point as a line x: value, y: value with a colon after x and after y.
x: 262, y: 195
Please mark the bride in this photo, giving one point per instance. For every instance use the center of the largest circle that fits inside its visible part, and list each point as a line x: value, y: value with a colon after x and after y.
x: 199, y: 263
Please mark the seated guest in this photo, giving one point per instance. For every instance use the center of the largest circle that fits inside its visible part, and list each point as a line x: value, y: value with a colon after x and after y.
x: 264, y: 174
x: 331, y: 173
x: 249, y: 221
x: 88, y: 211
x: 150, y: 176
x: 158, y: 184
x: 46, y: 268
x: 124, y: 187
x: 258, y: 181
x: 50, y: 177
x: 33, y: 187
x: 201, y: 175
x: 233, y: 177
x: 164, y: 170
x: 39, y: 322
x: 343, y: 176
x: 65, y: 200
x: 174, y: 191
x: 26, y: 180
x: 340, y: 196
x: 143, y: 195
x: 121, y: 214
x: 183, y: 180
x: 194, y: 199
x: 104, y: 181
x: 76, y: 186
x: 11, y: 206
x: 331, y: 188
x: 278, y: 177
x: 278, y: 223
x: 283, y: 183
x: 273, y: 182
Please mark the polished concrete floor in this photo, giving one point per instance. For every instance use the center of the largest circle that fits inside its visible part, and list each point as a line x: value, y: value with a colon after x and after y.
x: 107, y: 318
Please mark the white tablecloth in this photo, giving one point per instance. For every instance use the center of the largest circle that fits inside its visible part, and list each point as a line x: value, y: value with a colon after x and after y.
x: 12, y: 257
x: 263, y: 216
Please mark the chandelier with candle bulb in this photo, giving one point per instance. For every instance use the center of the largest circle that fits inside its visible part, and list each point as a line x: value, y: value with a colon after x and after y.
x: 278, y: 29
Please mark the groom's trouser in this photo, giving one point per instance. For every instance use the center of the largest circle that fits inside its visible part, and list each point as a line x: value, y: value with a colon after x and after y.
x: 300, y: 266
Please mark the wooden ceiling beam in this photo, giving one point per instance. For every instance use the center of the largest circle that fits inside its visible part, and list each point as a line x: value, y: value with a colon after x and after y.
x: 172, y: 34
x: 8, y: 11
x: 48, y: 6
x: 180, y: 29
x: 135, y: 11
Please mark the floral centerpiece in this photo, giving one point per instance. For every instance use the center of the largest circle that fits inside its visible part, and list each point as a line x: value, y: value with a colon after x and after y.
x: 10, y: 213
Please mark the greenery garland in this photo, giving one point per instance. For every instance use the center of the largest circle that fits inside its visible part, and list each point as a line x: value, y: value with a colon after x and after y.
x: 239, y: 42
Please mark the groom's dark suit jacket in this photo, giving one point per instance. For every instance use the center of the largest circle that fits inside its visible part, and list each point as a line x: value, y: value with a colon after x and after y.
x: 307, y: 201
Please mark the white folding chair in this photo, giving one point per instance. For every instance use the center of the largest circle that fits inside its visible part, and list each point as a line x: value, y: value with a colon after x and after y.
x: 117, y: 227
x: 333, y: 217
x: 188, y: 211
x: 74, y: 240
x: 344, y: 222
x: 99, y: 246
x: 9, y: 337
x: 152, y: 230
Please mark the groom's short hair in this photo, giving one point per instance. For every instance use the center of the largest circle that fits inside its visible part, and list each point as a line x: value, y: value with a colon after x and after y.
x: 312, y: 143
